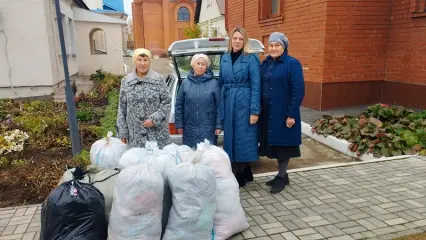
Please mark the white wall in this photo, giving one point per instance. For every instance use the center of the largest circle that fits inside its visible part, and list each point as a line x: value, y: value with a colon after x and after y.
x: 27, y: 48
x: 112, y: 61
x: 33, y: 49
x: 210, y: 16
x: 94, y: 4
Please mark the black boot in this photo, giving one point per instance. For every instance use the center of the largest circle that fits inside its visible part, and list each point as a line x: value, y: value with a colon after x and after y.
x: 286, y: 179
x: 241, y: 179
x: 248, y: 174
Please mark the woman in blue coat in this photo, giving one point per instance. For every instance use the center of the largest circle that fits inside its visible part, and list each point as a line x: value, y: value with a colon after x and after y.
x: 239, y: 80
x: 283, y: 90
x: 198, y: 104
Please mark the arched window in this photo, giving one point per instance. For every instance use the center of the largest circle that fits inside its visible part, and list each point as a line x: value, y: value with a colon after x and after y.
x: 97, y: 41
x: 183, y: 14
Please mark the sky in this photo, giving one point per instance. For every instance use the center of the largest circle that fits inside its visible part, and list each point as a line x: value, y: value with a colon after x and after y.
x: 128, y: 7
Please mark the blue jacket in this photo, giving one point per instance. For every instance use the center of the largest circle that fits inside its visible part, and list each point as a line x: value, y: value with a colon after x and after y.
x: 197, y: 108
x: 283, y: 89
x: 240, y: 84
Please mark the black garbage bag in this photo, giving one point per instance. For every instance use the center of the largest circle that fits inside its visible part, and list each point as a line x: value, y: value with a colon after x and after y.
x: 74, y: 210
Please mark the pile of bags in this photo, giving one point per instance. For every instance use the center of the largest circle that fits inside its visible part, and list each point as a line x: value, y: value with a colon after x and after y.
x: 147, y: 193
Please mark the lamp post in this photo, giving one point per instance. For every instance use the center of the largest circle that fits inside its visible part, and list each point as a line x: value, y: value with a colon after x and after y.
x: 72, y: 116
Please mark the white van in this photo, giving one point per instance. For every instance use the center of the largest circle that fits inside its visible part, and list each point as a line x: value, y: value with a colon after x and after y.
x: 181, y: 53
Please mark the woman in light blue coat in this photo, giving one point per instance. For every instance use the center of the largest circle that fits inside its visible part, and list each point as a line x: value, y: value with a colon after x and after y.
x: 239, y: 80
x: 197, y: 104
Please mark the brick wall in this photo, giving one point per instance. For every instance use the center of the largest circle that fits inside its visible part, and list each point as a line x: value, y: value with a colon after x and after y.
x: 155, y: 23
x: 302, y: 21
x: 356, y: 40
x: 406, y: 53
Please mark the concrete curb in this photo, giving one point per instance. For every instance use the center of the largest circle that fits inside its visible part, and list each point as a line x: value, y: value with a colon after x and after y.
x: 340, y: 145
x: 377, y: 160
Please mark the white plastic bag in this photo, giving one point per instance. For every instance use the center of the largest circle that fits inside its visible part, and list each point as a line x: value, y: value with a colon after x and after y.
x: 230, y: 217
x: 177, y: 150
x: 163, y: 162
x: 193, y: 188
x: 102, y: 179
x: 131, y: 157
x: 106, y: 152
x: 137, y: 205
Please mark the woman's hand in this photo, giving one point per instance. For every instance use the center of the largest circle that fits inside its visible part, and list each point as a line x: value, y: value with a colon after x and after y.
x: 254, y: 118
x: 217, y: 132
x: 179, y: 130
x: 124, y: 140
x: 148, y: 123
x: 290, y: 122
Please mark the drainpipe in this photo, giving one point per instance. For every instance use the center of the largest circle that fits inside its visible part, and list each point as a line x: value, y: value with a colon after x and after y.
x: 72, y: 116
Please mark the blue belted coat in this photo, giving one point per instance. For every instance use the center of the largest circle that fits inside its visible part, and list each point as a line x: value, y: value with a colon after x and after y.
x: 240, y: 88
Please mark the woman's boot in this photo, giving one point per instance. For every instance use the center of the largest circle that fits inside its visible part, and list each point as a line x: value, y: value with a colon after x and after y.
x: 248, y: 173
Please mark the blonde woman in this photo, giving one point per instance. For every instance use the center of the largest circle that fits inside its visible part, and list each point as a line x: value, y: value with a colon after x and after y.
x: 197, y: 104
x: 144, y: 104
x: 239, y: 80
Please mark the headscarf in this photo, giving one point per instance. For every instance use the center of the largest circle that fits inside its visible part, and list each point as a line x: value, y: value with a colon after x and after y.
x: 280, y: 38
x: 140, y: 51
x: 203, y: 56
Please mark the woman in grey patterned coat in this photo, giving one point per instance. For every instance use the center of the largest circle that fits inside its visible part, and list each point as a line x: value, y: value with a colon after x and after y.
x: 144, y: 105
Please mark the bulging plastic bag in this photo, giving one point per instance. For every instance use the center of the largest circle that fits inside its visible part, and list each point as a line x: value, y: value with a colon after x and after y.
x: 74, y: 210
x: 131, y: 157
x: 230, y: 217
x: 137, y: 205
x: 106, y: 152
x: 102, y: 179
x: 163, y: 162
x: 193, y: 188
x: 177, y: 150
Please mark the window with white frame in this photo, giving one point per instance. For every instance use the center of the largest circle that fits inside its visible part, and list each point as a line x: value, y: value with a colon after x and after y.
x: 69, y: 35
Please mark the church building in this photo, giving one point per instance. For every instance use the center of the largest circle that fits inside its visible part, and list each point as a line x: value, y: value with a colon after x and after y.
x: 158, y: 23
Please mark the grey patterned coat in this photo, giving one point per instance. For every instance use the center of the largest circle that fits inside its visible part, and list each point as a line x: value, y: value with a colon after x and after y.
x: 142, y: 99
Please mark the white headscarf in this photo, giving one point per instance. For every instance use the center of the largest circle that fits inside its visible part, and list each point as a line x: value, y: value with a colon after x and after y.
x: 140, y: 51
x: 197, y: 56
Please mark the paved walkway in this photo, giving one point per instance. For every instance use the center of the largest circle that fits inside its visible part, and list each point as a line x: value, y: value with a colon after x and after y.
x: 380, y: 200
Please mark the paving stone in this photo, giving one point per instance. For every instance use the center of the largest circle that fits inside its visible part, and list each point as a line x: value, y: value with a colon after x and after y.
x: 357, y: 236
x: 347, y: 224
x: 289, y: 236
x: 12, y: 237
x: 257, y: 231
x: 248, y: 234
x: 352, y: 230
x: 9, y: 230
x: 315, y: 236
x: 368, y: 234
x: 259, y: 220
x: 272, y: 231
x: 237, y: 237
x: 345, y: 237
x: 291, y: 226
x: 395, y: 221
x: 21, y: 228
x: 28, y: 236
x: 383, y: 231
x: 312, y: 219
x: 277, y: 237
x: 306, y: 231
x: 420, y: 223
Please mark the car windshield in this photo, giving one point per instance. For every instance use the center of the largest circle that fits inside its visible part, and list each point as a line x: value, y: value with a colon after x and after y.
x: 184, y: 64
